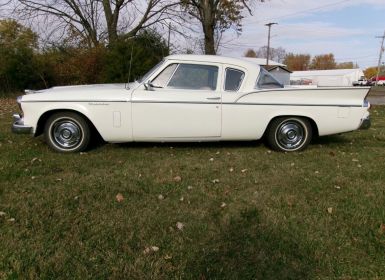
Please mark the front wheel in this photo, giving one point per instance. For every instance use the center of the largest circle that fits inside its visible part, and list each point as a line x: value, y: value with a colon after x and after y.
x: 67, y: 132
x: 289, y: 134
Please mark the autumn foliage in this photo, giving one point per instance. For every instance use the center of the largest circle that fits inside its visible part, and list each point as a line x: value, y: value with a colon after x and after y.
x: 24, y: 65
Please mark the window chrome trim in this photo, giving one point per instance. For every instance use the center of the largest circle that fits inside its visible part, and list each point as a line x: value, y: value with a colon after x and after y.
x: 172, y: 74
x: 240, y: 84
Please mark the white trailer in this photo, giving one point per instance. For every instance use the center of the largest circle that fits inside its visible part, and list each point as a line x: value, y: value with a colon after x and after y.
x: 327, y: 78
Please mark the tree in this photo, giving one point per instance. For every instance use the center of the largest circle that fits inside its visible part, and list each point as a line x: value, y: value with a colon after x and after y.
x: 323, y: 62
x: 17, y: 47
x: 346, y: 65
x: 297, y: 62
x: 250, y: 53
x: 147, y: 49
x: 276, y: 54
x: 100, y: 20
x: 370, y: 72
x: 215, y: 17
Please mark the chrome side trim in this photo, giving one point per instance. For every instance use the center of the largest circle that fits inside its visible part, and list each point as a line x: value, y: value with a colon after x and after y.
x: 71, y: 101
x: 293, y: 104
x: 18, y: 126
x: 102, y: 102
x: 301, y: 89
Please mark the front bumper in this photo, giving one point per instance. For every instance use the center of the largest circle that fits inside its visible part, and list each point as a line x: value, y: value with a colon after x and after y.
x: 365, y: 123
x: 18, y: 126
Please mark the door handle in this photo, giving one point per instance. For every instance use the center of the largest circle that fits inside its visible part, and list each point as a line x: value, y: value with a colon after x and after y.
x: 213, y: 98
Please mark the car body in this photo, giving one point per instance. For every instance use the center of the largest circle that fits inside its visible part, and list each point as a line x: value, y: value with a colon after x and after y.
x: 192, y: 98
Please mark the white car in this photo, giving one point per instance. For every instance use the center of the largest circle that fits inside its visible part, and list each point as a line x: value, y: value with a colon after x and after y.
x: 192, y: 98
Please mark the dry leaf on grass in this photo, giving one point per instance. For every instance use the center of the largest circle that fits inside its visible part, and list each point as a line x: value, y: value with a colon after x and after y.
x: 330, y: 210
x: 2, y: 213
x: 189, y: 187
x: 150, y: 249
x: 179, y: 225
x: 119, y: 197
x: 215, y: 181
x: 177, y: 179
x: 223, y: 205
x: 160, y: 197
x: 382, y: 229
x: 167, y: 257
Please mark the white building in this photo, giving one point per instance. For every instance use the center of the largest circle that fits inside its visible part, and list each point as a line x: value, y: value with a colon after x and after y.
x: 326, y: 78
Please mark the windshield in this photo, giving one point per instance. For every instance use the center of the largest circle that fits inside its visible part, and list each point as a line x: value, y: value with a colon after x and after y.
x: 266, y: 81
x: 152, y: 70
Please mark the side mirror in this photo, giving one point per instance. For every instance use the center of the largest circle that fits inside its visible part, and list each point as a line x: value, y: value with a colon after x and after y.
x: 148, y: 86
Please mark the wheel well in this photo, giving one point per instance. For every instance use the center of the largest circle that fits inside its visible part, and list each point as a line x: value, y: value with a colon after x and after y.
x: 43, y: 119
x: 311, y: 121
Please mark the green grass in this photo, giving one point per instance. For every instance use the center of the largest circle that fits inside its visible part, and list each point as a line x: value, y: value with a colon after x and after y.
x: 267, y: 219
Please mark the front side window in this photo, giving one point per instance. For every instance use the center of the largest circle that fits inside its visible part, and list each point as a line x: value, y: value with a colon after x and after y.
x: 267, y: 81
x: 234, y: 79
x: 194, y: 76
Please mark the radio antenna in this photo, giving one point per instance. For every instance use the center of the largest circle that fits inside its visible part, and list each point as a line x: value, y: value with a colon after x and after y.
x: 129, y: 70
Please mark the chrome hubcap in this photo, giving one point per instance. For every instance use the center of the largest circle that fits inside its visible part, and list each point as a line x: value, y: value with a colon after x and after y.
x: 290, y: 135
x: 67, y: 134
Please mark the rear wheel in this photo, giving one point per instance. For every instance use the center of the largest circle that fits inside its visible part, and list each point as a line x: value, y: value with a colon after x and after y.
x: 67, y: 132
x: 289, y: 134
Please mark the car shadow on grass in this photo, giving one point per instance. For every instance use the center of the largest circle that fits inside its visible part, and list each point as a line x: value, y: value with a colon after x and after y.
x: 250, y: 248
x: 192, y: 145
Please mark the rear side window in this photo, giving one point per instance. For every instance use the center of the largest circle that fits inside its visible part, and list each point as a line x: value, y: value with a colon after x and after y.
x: 266, y: 81
x: 234, y: 79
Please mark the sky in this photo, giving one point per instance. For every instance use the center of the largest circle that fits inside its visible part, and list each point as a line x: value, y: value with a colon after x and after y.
x: 346, y: 28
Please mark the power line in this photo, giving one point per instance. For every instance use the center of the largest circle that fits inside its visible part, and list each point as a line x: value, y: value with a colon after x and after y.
x: 305, y: 11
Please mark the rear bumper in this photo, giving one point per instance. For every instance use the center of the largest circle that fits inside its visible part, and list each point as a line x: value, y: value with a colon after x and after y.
x: 365, y: 123
x: 18, y: 126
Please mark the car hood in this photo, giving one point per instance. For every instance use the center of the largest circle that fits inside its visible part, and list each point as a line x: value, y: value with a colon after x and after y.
x: 99, y: 92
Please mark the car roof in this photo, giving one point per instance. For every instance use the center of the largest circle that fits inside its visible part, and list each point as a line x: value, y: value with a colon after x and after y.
x: 251, y: 65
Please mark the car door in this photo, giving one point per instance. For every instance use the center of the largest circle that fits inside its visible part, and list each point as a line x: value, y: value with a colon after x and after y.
x: 182, y: 102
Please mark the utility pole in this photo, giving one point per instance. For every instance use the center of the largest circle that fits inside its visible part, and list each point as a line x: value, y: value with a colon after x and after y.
x: 380, y: 56
x: 268, y: 41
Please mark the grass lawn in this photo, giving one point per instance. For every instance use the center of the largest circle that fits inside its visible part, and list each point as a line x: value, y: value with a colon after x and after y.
x: 193, y: 211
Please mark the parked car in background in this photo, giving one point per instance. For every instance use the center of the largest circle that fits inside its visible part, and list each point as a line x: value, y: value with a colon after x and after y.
x: 362, y: 82
x: 380, y: 81
x: 192, y: 98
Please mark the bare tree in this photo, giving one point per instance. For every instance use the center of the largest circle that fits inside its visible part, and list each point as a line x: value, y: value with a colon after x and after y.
x: 97, y: 21
x: 215, y: 17
x: 276, y: 54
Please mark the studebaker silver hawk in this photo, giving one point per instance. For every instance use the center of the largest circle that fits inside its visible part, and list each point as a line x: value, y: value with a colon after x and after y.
x: 192, y: 98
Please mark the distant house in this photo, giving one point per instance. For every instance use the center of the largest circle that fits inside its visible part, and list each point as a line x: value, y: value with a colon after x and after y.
x: 278, y: 70
x: 326, y: 78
